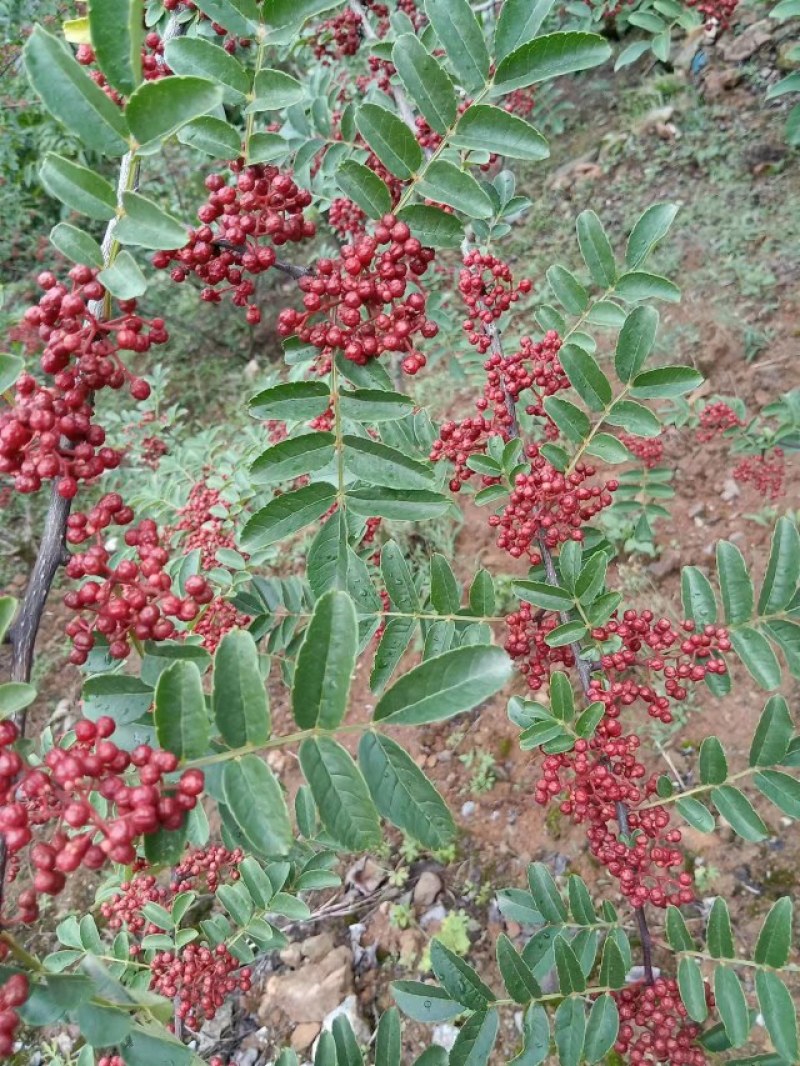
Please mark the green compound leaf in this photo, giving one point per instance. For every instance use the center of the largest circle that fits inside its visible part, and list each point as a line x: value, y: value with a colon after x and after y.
x: 123, y: 277
x: 214, y: 136
x: 76, y: 245
x: 239, y: 698
x: 651, y: 227
x: 780, y: 789
x: 666, y: 382
x: 719, y: 933
x: 738, y: 811
x: 256, y: 804
x: 483, y: 127
x: 287, y: 514
x: 774, y: 943
x: 402, y: 793
x: 548, y: 57
x: 433, y: 226
x: 779, y: 1013
x: 635, y: 343
x: 602, y: 1027
x: 535, y: 1037
x: 364, y: 187
x: 388, y: 1038
x: 783, y: 568
x: 378, y: 464
x: 519, y: 22
x: 146, y: 224
x: 425, y: 82
x: 570, y: 973
x: 570, y: 1029
x: 275, y: 89
x: 197, y: 56
x: 713, y: 763
x: 160, y: 108
x: 78, y: 187
x: 638, y: 285
x: 475, y: 1040
x: 116, y: 34
x: 696, y: 814
x: 341, y: 794
x: 445, y: 686
x: 458, y: 978
x: 425, y: 1003
x: 180, y: 716
x: 756, y: 653
x: 692, y: 988
x: 735, y: 584
x: 397, y: 578
x: 697, y: 595
x: 390, y: 139
x: 462, y: 38
x: 522, y: 986
x: 70, y: 95
x: 293, y: 457
x: 448, y: 184
x: 596, y: 249
x: 325, y: 663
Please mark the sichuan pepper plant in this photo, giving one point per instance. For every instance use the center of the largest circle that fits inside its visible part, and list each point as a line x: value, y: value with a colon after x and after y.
x: 358, y: 153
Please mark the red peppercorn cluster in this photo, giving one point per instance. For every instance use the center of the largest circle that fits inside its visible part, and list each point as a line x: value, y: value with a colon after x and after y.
x: 228, y: 249
x: 129, y: 599
x: 54, y: 798
x: 338, y: 36
x: 590, y: 782
x: 487, y: 287
x: 381, y: 72
x: 716, y: 418
x: 200, y: 978
x: 717, y: 12
x: 456, y: 442
x: 111, y: 1060
x: 519, y: 102
x: 230, y: 44
x: 648, y: 450
x: 350, y: 295
x: 681, y: 656
x: 125, y: 907
x: 346, y: 218
x: 525, y: 643
x: 549, y: 502
x: 207, y: 868
x: 153, y: 65
x: 204, y: 529
x: 765, y: 473
x: 49, y: 431
x: 13, y: 993
x: 219, y: 618
x: 655, y: 1027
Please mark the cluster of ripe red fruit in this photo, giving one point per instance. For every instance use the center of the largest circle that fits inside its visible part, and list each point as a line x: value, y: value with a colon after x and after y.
x: 346, y: 300
x: 48, y: 807
x: 49, y: 432
x: 228, y: 250
x: 129, y: 600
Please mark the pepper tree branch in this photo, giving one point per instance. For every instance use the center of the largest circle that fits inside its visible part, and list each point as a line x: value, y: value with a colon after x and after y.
x: 582, y: 665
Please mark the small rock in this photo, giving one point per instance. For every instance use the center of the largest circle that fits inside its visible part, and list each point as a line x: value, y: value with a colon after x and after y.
x: 291, y: 956
x: 349, y: 1009
x: 437, y: 913
x: 730, y: 490
x: 304, y: 1035
x: 738, y: 49
x: 315, y: 948
x: 427, y: 889
x: 468, y: 809
x: 719, y: 82
x: 365, y: 876
x: 444, y: 1035
x: 310, y: 993
x: 697, y: 510
x: 787, y: 56
x: 669, y: 563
